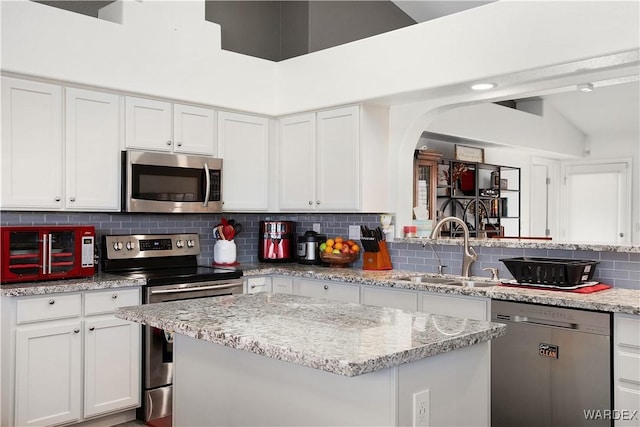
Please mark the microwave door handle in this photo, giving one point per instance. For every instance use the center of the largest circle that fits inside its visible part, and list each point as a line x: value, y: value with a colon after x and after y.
x: 207, y: 191
x: 44, y: 254
x: 49, y: 254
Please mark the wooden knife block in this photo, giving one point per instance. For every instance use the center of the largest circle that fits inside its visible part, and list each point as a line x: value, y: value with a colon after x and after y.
x: 377, y: 260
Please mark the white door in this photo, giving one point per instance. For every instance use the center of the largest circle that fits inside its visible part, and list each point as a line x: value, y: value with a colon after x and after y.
x: 596, y: 200
x: 243, y: 145
x: 92, y: 145
x: 148, y: 124
x: 48, y: 372
x: 297, y: 162
x: 194, y: 130
x: 31, y: 145
x: 338, y: 160
x: 112, y: 365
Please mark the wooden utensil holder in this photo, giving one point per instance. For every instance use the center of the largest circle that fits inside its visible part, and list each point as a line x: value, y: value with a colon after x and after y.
x: 377, y: 260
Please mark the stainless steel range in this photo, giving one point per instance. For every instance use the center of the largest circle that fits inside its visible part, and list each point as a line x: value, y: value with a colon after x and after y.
x: 168, y: 263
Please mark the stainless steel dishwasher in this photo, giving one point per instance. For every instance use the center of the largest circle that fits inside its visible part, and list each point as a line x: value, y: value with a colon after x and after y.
x: 552, y: 367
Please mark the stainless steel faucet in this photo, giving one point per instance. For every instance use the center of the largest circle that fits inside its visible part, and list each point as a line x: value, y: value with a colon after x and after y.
x: 469, y: 255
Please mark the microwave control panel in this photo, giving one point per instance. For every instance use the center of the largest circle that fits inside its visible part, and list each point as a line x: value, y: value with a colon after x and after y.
x: 87, y: 251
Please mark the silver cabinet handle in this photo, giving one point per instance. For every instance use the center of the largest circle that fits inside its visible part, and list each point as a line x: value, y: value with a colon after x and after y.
x: 72, y: 199
x: 92, y: 328
x: 57, y: 199
x: 114, y: 296
x: 75, y: 331
x: 168, y: 142
x: 310, y: 203
x: 317, y: 202
x: 44, y: 255
x: 207, y: 179
x: 326, y: 287
x: 52, y: 301
x: 179, y: 144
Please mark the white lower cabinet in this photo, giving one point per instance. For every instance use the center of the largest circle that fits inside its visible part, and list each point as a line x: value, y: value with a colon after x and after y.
x: 475, y: 308
x: 73, y: 358
x: 626, y: 369
x: 282, y: 285
x: 254, y: 285
x: 48, y: 373
x: 326, y: 289
x: 395, y: 298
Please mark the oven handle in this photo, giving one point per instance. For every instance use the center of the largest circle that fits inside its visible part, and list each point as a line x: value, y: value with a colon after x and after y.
x: 194, y: 289
x: 207, y: 179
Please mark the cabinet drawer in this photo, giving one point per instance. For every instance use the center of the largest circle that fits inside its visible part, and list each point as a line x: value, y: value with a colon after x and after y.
x: 282, y: 285
x: 628, y: 367
x: 107, y: 301
x: 258, y: 284
x: 330, y: 290
x: 627, y: 329
x: 390, y: 298
x: 463, y: 307
x: 52, y: 307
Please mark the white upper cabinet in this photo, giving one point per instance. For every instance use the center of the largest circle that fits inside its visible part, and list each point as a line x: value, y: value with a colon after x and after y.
x: 43, y: 171
x: 32, y: 156
x: 334, y: 160
x: 244, y: 148
x: 194, y: 130
x: 162, y: 126
x: 297, y: 183
x: 92, y: 147
x: 338, y: 159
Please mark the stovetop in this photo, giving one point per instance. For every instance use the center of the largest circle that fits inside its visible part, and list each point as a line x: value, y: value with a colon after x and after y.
x: 170, y: 276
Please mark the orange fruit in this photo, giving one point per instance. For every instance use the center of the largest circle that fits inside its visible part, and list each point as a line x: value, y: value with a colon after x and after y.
x: 339, y: 239
x: 350, y: 243
x: 330, y: 242
x: 338, y: 245
x: 328, y: 249
x: 355, y: 248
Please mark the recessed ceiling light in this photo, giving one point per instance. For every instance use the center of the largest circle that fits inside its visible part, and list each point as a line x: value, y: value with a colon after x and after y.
x: 483, y: 86
x: 585, y: 87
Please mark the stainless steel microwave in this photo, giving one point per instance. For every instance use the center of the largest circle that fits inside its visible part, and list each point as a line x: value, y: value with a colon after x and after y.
x: 170, y: 183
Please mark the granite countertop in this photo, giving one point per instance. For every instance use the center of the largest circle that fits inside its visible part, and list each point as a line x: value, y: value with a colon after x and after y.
x: 96, y: 282
x: 612, y: 300
x: 526, y: 244
x: 342, y: 338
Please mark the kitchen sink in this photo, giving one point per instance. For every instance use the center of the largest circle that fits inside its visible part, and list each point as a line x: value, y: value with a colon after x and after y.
x: 427, y: 279
x: 448, y: 281
x: 473, y: 283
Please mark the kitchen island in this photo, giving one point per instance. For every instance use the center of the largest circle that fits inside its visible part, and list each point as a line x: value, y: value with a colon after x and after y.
x: 276, y: 359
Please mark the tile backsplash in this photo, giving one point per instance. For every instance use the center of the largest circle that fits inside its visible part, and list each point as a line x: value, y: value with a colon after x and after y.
x: 618, y: 269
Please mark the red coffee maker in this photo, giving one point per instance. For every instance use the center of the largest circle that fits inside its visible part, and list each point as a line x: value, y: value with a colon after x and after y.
x: 276, y: 241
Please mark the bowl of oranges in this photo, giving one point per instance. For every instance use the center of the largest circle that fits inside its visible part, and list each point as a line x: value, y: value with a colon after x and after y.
x: 338, y: 252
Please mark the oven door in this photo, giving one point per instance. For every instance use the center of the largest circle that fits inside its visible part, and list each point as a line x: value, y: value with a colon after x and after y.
x: 158, y: 344
x: 165, y: 183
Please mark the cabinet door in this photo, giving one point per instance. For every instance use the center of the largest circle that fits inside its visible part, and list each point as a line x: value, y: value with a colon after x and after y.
x: 282, y: 285
x: 329, y: 290
x: 194, y: 130
x: 626, y: 368
x: 456, y: 306
x: 148, y: 124
x: 338, y: 160
x: 92, y: 150
x: 112, y: 365
x: 381, y: 297
x: 31, y: 145
x: 243, y: 145
x: 297, y: 166
x: 48, y: 372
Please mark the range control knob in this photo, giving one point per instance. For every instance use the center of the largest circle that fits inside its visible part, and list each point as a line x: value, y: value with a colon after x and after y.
x: 130, y: 245
x: 190, y: 243
x: 179, y: 244
x: 117, y: 246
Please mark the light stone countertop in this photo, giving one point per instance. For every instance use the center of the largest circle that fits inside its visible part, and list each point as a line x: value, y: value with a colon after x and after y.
x: 95, y: 282
x: 342, y: 338
x: 612, y: 300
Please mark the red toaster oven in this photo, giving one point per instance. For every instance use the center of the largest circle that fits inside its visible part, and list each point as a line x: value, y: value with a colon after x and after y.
x: 30, y: 253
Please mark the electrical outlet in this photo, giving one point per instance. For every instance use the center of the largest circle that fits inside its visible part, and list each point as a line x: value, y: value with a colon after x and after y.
x: 316, y: 228
x: 421, y: 409
x: 354, y: 232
